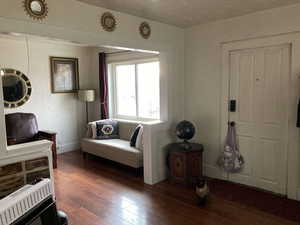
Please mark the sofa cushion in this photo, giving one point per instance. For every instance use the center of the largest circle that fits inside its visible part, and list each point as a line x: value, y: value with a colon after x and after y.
x: 114, y: 149
x: 126, y: 128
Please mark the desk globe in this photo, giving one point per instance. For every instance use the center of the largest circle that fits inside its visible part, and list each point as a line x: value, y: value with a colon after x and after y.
x: 185, y: 131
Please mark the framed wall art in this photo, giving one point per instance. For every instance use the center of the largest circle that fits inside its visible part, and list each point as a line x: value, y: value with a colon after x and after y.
x: 64, y: 75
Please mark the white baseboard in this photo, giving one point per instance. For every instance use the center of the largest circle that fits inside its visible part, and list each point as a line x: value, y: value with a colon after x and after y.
x: 69, y: 147
x: 212, y: 172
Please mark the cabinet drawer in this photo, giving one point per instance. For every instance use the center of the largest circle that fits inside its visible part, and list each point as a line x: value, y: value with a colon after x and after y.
x: 11, y: 184
x: 10, y: 169
x: 36, y: 163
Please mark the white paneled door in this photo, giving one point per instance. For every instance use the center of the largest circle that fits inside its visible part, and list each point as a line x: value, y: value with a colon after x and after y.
x: 259, y: 82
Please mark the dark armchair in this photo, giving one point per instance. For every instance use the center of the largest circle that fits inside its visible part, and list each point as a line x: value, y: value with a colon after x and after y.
x: 23, y: 128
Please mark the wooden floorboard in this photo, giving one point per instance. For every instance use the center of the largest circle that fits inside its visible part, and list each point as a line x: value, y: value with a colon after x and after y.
x: 96, y: 192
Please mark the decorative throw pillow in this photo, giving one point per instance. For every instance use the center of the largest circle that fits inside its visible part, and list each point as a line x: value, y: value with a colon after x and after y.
x: 139, y: 140
x: 134, y: 136
x: 107, y: 129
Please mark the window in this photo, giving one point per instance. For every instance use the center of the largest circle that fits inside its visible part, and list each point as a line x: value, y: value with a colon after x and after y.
x: 136, y: 90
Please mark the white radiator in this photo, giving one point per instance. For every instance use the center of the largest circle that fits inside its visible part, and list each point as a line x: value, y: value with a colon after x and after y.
x: 20, y: 202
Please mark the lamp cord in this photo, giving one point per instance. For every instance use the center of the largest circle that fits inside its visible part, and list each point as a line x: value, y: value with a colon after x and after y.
x: 28, y: 57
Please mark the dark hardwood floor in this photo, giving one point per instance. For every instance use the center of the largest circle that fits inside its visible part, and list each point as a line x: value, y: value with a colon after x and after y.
x: 95, y: 192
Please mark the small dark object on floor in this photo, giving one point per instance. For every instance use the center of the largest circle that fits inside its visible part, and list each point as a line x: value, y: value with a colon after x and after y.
x: 202, y: 191
x: 62, y: 218
x: 202, y: 201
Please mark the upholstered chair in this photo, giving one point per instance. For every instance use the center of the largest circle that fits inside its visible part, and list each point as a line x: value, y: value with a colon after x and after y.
x: 23, y: 127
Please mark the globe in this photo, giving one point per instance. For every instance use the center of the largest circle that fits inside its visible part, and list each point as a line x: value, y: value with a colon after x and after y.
x: 185, y: 130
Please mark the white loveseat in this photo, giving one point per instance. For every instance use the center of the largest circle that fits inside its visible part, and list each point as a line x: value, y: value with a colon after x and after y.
x: 118, y: 150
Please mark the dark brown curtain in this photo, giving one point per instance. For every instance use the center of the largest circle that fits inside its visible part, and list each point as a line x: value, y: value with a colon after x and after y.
x: 103, y: 85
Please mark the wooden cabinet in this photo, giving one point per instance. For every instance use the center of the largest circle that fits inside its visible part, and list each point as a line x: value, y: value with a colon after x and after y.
x: 16, y: 175
x: 185, y: 164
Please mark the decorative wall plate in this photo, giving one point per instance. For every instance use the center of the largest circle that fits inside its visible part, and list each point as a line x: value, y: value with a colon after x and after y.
x: 16, y: 88
x: 36, y: 9
x: 108, y: 22
x: 145, y: 30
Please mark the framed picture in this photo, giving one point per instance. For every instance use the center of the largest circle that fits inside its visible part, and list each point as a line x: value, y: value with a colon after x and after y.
x: 64, y: 75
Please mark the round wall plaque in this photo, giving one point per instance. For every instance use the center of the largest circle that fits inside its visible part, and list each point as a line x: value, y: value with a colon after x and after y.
x: 108, y: 22
x: 145, y: 30
x: 36, y: 9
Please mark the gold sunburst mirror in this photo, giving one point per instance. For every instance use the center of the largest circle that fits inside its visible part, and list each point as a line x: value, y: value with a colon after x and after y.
x: 145, y: 30
x: 36, y: 9
x: 16, y: 88
x: 108, y: 21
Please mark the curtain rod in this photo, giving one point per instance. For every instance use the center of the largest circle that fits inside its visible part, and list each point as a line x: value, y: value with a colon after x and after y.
x: 112, y: 53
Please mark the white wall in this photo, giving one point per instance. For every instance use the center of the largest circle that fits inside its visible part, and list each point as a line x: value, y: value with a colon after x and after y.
x: 203, y: 72
x: 61, y: 113
x: 79, y: 22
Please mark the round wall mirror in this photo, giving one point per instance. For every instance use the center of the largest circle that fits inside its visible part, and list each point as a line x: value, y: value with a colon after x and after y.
x: 16, y: 88
x: 37, y: 9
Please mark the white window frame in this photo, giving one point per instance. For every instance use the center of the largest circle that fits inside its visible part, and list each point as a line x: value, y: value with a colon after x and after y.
x: 113, y: 92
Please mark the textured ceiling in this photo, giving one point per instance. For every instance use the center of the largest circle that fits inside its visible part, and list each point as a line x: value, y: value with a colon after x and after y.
x: 186, y: 13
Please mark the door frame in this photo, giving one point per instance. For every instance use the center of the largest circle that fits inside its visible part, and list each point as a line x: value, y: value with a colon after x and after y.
x: 293, y: 39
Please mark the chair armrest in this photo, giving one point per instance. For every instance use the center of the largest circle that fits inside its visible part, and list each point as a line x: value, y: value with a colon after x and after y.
x: 11, y: 141
x: 51, y: 136
x: 46, y: 135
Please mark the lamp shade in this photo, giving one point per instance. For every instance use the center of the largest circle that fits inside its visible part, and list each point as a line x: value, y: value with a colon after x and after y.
x: 86, y: 95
